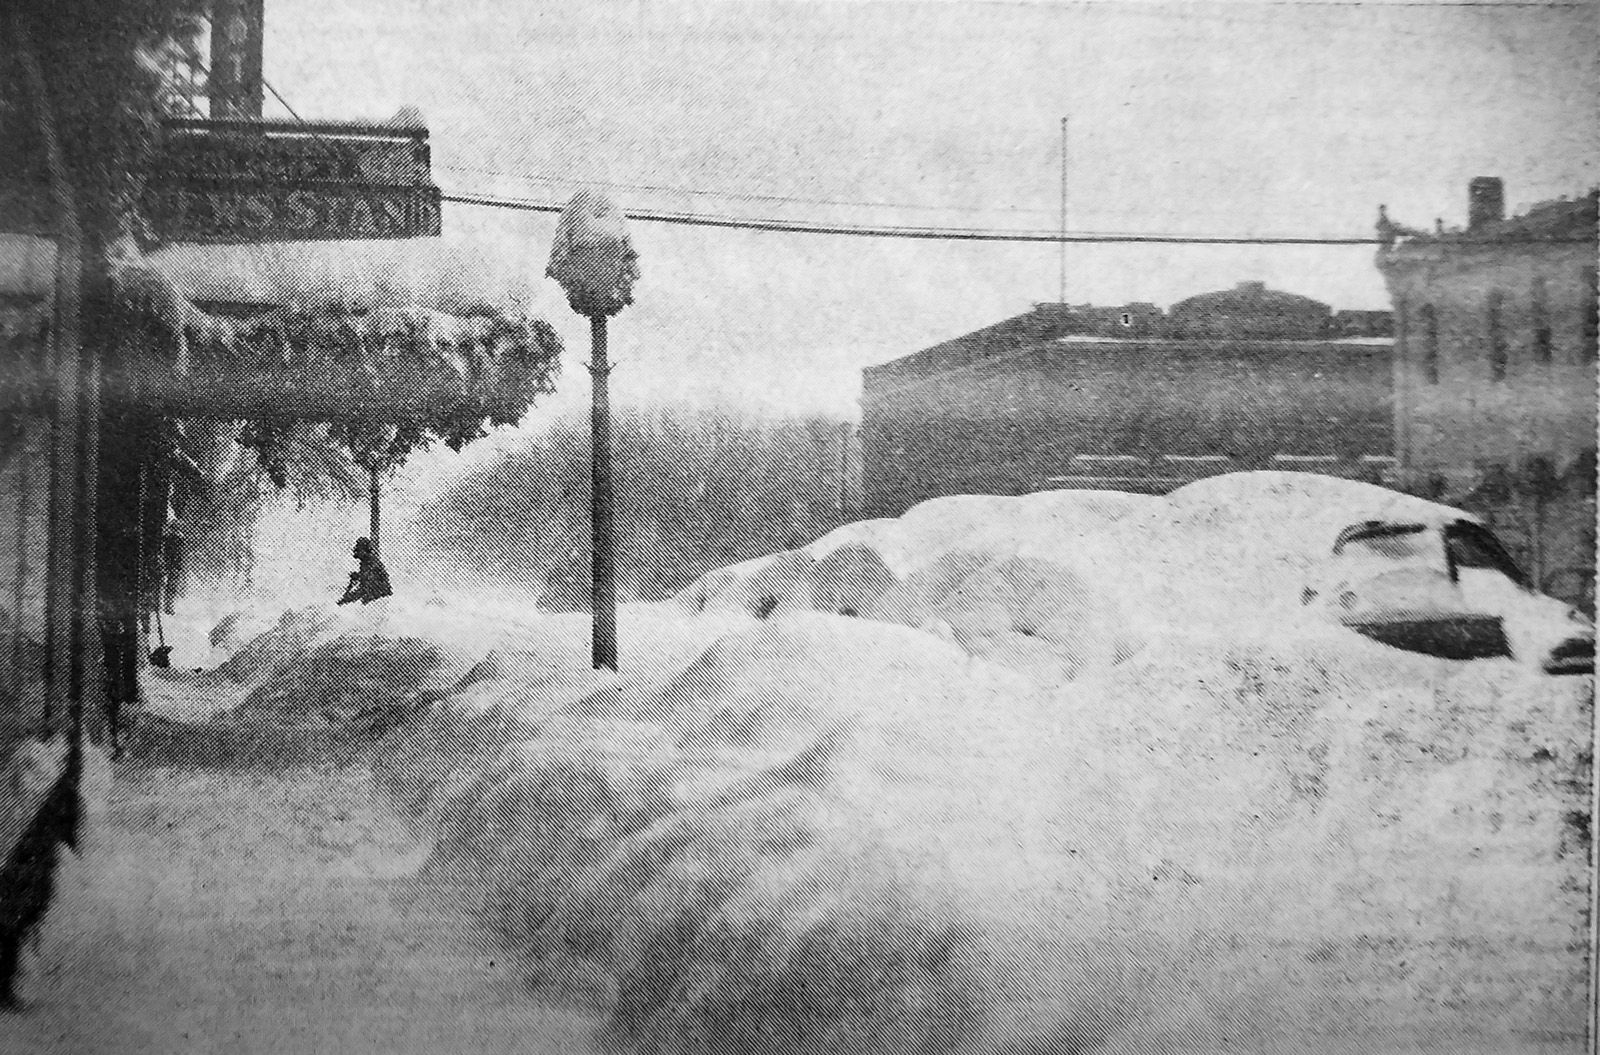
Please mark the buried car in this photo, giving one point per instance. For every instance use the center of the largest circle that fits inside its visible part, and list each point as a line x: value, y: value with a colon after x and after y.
x: 1410, y: 573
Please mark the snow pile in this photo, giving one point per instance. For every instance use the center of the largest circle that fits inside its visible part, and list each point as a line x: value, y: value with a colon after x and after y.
x: 453, y: 749
x: 1022, y: 581
x: 287, y: 641
x: 1043, y: 793
x: 1240, y: 547
x: 825, y: 829
x: 1034, y: 615
x: 328, y: 665
x: 761, y: 587
x: 237, y: 629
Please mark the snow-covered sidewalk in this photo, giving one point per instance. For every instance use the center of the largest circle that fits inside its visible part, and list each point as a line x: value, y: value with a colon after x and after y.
x: 252, y: 912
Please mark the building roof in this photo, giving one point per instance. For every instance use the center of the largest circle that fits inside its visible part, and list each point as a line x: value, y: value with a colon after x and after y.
x: 1561, y: 220
x: 1050, y: 321
x: 1249, y: 298
x: 967, y: 352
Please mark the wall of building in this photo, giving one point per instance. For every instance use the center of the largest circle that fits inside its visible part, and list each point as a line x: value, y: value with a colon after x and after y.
x: 24, y: 519
x: 1022, y: 417
x: 24, y: 523
x: 1495, y: 408
x: 1467, y: 418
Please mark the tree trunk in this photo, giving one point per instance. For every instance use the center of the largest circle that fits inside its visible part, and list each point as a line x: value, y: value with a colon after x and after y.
x: 373, y: 495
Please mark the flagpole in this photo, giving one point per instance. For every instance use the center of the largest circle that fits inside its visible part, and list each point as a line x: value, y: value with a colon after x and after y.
x: 1063, y: 243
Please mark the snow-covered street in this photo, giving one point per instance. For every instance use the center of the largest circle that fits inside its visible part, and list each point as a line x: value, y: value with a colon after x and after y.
x: 938, y: 783
x: 253, y: 911
x: 685, y: 528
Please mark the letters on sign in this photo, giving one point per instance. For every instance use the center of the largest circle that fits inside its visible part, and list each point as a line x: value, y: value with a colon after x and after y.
x: 236, y: 181
x: 223, y: 213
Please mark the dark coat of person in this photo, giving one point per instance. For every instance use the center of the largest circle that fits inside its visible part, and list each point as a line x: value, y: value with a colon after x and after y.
x: 28, y: 875
x: 370, y: 581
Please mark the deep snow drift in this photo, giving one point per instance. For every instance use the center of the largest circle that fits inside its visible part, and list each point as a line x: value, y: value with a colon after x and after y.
x: 943, y: 784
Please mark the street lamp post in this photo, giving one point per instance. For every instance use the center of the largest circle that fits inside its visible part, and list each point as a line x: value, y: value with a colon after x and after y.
x: 602, y: 517
x: 594, y: 261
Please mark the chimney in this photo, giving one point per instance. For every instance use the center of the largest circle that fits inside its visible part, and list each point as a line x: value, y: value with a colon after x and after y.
x: 1486, y: 202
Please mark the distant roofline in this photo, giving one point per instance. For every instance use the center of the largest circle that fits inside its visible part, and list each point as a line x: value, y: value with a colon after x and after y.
x: 1190, y: 342
x: 906, y: 364
x: 1555, y: 221
x: 1250, y: 293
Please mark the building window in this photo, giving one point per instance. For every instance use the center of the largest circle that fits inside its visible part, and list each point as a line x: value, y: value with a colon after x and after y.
x: 1498, y: 356
x: 1591, y: 312
x: 1541, y: 323
x: 1430, y: 344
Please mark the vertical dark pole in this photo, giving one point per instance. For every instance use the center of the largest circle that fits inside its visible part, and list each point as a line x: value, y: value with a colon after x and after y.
x: 52, y: 545
x: 603, y: 589
x: 87, y: 642
x: 19, y: 624
x: 1063, y: 290
x: 1538, y: 537
x: 373, y: 526
x: 63, y: 614
x: 844, y: 470
x: 1400, y: 371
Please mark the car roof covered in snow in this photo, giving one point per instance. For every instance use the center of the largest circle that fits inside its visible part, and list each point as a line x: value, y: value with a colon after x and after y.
x: 1303, y: 511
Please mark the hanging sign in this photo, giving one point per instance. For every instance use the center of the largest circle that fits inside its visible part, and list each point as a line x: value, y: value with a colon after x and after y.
x: 260, y: 181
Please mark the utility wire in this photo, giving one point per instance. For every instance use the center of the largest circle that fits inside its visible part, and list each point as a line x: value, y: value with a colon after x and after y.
x: 946, y: 234
x: 783, y: 199
x: 285, y: 103
x: 205, y: 70
x: 956, y: 234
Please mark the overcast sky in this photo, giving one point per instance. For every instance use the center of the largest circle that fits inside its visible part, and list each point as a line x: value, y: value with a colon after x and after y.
x: 1233, y: 119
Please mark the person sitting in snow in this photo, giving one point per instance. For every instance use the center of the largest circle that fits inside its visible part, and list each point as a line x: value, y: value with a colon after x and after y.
x: 370, y: 581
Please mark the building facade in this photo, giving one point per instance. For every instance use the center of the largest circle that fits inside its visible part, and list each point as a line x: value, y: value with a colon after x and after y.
x: 1495, y: 368
x: 1056, y: 398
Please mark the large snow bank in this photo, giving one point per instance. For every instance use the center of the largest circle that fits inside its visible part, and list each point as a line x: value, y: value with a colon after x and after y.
x: 1006, y: 810
x: 452, y: 749
x: 825, y: 833
x: 1034, y: 615
x: 330, y: 662
x: 295, y: 634
x: 1011, y: 579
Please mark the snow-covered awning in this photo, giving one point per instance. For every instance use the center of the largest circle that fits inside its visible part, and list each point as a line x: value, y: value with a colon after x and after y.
x: 457, y: 276
x: 358, y: 331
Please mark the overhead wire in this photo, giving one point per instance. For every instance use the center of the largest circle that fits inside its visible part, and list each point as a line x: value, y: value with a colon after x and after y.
x: 785, y: 199
x: 921, y: 233
x: 957, y: 234
x: 282, y: 101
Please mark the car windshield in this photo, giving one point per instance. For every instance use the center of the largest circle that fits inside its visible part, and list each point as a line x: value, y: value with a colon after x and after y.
x: 1393, y: 541
x: 1471, y: 545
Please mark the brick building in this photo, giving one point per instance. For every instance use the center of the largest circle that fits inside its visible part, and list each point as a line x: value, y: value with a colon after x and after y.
x: 1051, y: 398
x: 1495, y: 362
